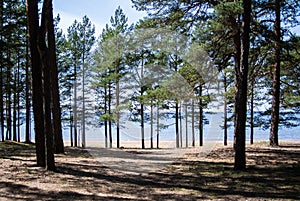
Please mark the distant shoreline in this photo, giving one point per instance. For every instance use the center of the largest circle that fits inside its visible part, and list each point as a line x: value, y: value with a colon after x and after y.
x: 171, y: 144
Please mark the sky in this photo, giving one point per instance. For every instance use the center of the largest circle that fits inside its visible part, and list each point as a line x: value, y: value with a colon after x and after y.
x: 98, y: 11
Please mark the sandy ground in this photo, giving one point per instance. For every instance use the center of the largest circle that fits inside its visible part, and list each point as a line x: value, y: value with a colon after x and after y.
x: 150, y: 174
x: 132, y: 160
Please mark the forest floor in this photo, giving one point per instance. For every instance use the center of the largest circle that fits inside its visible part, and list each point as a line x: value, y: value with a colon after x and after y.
x: 272, y: 174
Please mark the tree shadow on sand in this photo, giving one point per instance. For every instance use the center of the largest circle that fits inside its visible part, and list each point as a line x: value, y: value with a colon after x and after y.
x: 272, y: 173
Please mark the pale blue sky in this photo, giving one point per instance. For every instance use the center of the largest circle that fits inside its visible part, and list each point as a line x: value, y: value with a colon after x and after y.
x: 98, y: 11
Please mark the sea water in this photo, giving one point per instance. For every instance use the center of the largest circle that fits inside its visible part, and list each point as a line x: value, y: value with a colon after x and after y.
x: 212, y: 131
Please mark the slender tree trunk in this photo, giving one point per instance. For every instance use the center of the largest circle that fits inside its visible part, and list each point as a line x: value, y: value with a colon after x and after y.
x: 193, y: 123
x: 9, y: 67
x: 19, y: 122
x: 8, y: 99
x: 142, y: 126
x: 71, y: 127
x: 14, y: 117
x: 176, y: 110
x: 118, y: 104
x: 105, y: 111
x: 157, y: 127
x: 71, y: 134
x: 37, y: 90
x: 252, y: 113
x: 151, y: 125
x: 109, y: 112
x: 186, y: 126
x: 200, y: 115
x: 225, y: 110
x: 83, y: 141
x: 46, y: 61
x: 79, y: 134
x: 177, y: 123
x: 241, y: 72
x: 75, y: 115
x: 180, y: 126
x: 18, y: 103
x: 276, y: 79
x: 15, y: 135
x: 1, y: 75
x: 55, y: 99
x: 142, y: 104
x: 50, y: 163
x: 71, y: 121
x: 110, y: 133
x: 105, y: 133
x: 1, y: 105
x: 27, y: 94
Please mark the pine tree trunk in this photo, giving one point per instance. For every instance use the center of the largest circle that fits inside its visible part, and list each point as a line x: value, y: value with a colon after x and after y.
x: 151, y: 125
x: 75, y: 115
x: 8, y: 99
x: 200, y: 116
x: 27, y: 94
x: 252, y: 113
x: 71, y: 131
x: 45, y: 57
x: 110, y: 133
x: 1, y: 107
x: 7, y: 86
x: 83, y: 141
x: 18, y: 104
x: 105, y: 112
x: 71, y: 124
x: 177, y: 124
x: 180, y: 126
x: 50, y: 163
x: 109, y: 112
x: 186, y: 126
x: 56, y: 110
x: 15, y: 135
x: 142, y: 126
x: 157, y: 127
x: 225, y: 110
x: 193, y: 124
x: 1, y: 75
x: 37, y: 90
x: 118, y: 104
x: 142, y: 105
x: 241, y: 72
x: 276, y: 80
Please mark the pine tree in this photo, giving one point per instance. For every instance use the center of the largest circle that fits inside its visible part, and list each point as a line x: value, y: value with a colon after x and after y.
x: 112, y: 65
x: 33, y: 24
x: 270, y: 17
x: 241, y: 74
x: 80, y: 39
x: 42, y: 60
x: 65, y: 77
